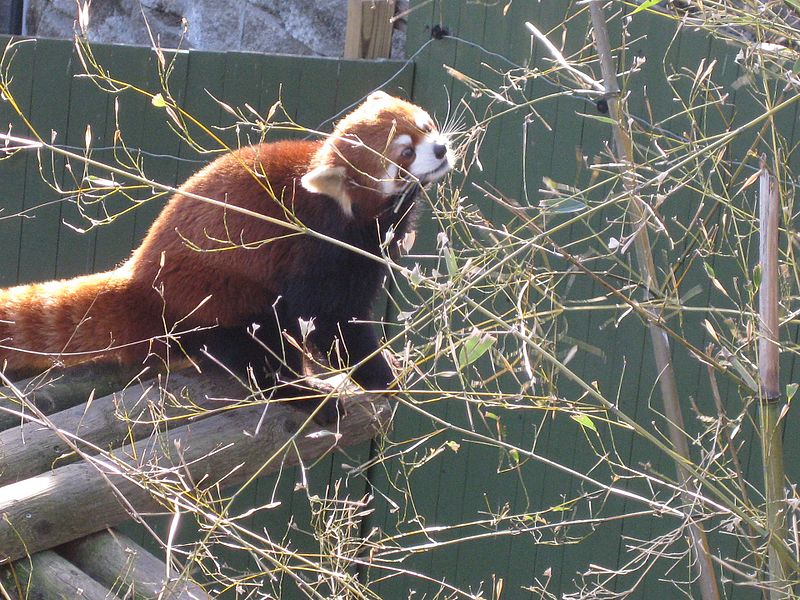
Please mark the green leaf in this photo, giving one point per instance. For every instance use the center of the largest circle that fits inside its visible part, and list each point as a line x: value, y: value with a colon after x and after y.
x: 600, y: 118
x: 791, y: 390
x: 562, y: 205
x: 645, y: 5
x: 415, y: 275
x: 158, y: 101
x: 794, y: 4
x: 450, y: 261
x: 514, y: 454
x: 473, y: 348
x: 743, y: 372
x: 584, y: 421
x: 757, y: 278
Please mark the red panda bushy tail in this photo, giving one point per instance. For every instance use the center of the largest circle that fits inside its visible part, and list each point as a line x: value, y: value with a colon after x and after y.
x: 70, y: 321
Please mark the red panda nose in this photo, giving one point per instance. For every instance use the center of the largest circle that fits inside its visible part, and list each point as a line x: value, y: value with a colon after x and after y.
x: 439, y: 150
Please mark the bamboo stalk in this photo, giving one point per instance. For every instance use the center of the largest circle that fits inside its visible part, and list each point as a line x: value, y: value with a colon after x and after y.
x: 661, y: 349
x: 770, y: 405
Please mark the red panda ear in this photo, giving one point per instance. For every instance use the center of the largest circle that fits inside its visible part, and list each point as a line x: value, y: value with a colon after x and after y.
x: 378, y: 95
x: 331, y: 182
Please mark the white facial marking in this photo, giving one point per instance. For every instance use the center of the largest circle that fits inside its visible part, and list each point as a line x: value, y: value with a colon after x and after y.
x: 426, y: 166
x: 402, y: 140
x: 390, y: 184
x: 423, y: 120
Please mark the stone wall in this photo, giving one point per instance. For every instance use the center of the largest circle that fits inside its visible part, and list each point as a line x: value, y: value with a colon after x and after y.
x: 312, y: 27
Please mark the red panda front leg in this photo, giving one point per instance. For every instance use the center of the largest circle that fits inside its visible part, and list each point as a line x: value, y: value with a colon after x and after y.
x: 358, y: 345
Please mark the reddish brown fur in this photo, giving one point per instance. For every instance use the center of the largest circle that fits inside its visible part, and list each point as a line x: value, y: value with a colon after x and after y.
x: 145, y: 297
x: 362, y: 142
x: 164, y: 285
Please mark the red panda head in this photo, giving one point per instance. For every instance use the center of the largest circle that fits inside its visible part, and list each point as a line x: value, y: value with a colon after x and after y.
x: 375, y: 151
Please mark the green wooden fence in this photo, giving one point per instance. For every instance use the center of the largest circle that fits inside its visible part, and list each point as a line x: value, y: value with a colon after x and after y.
x: 454, y: 487
x: 39, y: 246
x: 517, y: 152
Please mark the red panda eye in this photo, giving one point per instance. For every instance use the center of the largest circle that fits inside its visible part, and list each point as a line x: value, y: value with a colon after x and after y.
x: 408, y: 152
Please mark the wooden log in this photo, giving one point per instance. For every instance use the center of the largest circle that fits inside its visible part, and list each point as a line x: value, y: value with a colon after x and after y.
x: 107, y: 422
x: 47, y: 575
x: 59, y: 389
x: 369, y: 29
x: 120, y: 564
x: 222, y: 450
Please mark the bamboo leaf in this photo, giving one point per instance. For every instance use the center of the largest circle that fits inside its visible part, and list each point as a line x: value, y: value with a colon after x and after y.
x: 791, y: 390
x: 473, y: 348
x: 711, y: 331
x: 601, y: 118
x: 743, y: 372
x: 645, y: 5
x: 562, y: 205
x: 794, y: 4
x: 584, y: 421
x: 450, y: 261
x: 453, y: 445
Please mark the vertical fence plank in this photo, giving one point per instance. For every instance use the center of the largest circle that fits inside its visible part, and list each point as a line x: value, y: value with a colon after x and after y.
x: 128, y: 64
x: 87, y: 106
x: 40, y: 232
x: 12, y: 183
x: 159, y: 148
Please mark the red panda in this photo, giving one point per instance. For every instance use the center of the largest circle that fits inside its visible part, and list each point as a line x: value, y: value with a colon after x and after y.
x: 209, y: 269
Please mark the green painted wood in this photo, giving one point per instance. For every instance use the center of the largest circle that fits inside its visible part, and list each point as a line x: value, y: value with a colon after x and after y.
x: 51, y: 65
x: 19, y: 58
x: 127, y: 111
x: 279, y: 83
x: 161, y: 152
x: 204, y: 83
x: 88, y: 106
x: 454, y: 487
x: 235, y: 79
x: 631, y: 366
x: 431, y: 91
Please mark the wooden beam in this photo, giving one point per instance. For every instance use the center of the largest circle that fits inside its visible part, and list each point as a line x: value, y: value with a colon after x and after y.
x: 131, y: 414
x: 220, y: 451
x: 369, y: 29
x: 48, y: 575
x: 120, y: 564
x: 59, y: 389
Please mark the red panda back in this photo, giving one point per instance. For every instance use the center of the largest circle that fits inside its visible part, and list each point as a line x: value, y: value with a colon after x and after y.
x: 190, y: 270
